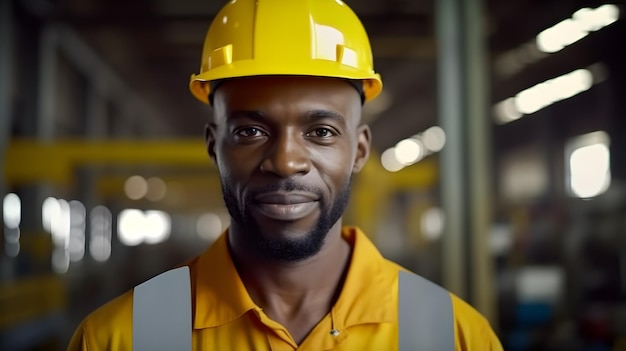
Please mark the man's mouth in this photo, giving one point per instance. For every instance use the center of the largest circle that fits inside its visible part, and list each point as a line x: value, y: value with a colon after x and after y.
x: 286, y: 206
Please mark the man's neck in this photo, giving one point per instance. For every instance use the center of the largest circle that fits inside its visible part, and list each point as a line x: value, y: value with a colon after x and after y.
x: 297, y: 294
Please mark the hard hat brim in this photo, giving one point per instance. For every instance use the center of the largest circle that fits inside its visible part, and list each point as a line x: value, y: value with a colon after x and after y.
x: 200, y: 87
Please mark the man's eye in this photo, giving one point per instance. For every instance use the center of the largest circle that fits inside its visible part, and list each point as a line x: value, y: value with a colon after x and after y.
x: 322, y: 133
x: 249, y: 132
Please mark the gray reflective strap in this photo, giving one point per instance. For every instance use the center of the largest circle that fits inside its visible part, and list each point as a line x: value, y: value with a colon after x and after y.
x: 162, y: 312
x: 425, y: 316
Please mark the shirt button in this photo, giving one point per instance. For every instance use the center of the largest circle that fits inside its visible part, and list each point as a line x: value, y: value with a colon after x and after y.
x: 334, y: 332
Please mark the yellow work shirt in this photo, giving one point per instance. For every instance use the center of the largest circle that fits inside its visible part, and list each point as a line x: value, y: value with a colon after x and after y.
x: 226, y: 318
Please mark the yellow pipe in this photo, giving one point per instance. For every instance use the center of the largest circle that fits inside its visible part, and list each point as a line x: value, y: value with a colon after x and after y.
x: 375, y: 187
x: 29, y: 161
x: 30, y: 298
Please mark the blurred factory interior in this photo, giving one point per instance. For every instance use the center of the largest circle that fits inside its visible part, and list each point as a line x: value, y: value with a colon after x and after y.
x: 497, y: 170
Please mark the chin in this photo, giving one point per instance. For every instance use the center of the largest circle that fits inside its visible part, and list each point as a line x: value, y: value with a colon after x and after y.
x: 289, y: 242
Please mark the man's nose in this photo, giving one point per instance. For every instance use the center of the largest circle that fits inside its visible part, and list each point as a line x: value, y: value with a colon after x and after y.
x: 288, y: 155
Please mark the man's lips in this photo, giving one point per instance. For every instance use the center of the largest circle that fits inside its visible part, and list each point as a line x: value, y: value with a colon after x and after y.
x: 286, y: 206
x: 285, y: 198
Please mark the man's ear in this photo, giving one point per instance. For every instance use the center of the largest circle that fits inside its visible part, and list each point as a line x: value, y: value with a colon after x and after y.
x: 364, y: 140
x: 209, y: 138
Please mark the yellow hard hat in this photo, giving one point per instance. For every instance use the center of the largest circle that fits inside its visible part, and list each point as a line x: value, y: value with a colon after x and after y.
x: 321, y: 38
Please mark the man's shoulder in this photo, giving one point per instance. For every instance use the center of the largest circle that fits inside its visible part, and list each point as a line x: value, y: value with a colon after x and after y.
x: 466, y: 314
x: 472, y: 328
x: 109, y: 327
x: 117, y: 312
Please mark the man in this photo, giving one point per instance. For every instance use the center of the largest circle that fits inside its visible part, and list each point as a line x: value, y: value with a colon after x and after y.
x: 287, y: 80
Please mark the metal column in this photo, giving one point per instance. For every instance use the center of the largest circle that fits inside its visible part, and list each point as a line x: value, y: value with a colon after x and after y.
x: 450, y: 107
x: 48, y: 67
x: 6, y: 84
x: 465, y: 161
x: 480, y: 156
x: 6, y: 80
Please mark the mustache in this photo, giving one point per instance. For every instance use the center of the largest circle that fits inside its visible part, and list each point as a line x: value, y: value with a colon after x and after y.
x: 286, y: 185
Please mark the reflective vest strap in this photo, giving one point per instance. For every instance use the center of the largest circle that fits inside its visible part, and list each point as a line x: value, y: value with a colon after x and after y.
x: 162, y: 312
x: 425, y: 315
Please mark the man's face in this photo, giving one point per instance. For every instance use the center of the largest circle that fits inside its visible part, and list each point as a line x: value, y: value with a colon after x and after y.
x: 286, y: 149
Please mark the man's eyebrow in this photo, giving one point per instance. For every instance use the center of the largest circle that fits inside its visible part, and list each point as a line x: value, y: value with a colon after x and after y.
x: 309, y: 116
x: 252, y: 114
x: 315, y: 115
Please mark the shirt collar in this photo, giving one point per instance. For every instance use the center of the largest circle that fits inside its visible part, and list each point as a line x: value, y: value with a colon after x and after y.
x: 368, y: 291
x: 220, y: 296
x: 366, y: 297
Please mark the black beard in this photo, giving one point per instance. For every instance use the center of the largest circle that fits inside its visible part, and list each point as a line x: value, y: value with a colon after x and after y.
x: 286, y: 250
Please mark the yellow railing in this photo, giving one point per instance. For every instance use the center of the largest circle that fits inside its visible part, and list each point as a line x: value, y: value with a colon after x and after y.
x: 30, y: 298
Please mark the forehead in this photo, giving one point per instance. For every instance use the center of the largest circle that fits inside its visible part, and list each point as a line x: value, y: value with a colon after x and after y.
x: 287, y: 93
